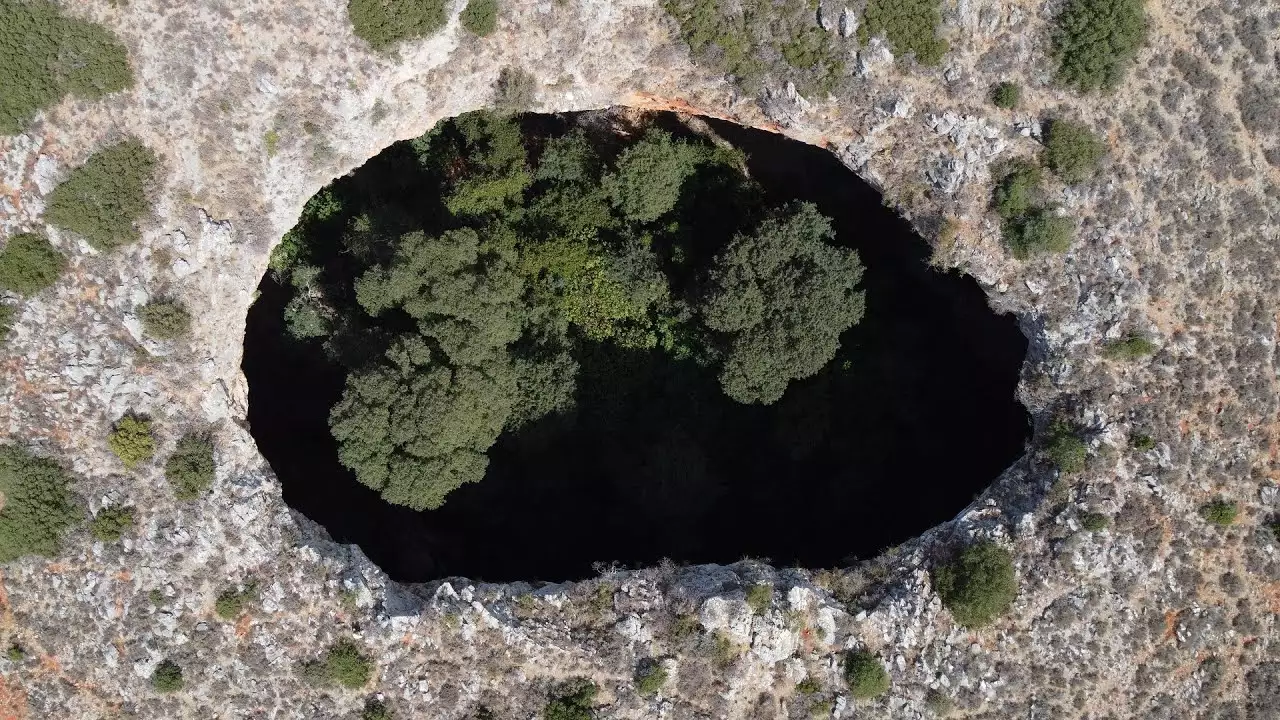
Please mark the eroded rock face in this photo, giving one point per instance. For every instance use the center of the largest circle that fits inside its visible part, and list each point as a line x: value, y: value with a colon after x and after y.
x: 1177, y: 239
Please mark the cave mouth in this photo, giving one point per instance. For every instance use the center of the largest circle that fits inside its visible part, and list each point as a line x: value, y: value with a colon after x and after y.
x: 914, y: 417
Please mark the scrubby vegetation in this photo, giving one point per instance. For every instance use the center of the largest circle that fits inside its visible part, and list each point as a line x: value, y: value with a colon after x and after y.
x: 573, y: 702
x: 343, y: 665
x: 1018, y: 191
x: 110, y: 524
x: 1095, y: 41
x: 650, y: 677
x: 1221, y: 512
x: 384, y: 23
x: 104, y: 199
x: 759, y: 597
x: 1028, y: 227
x: 167, y: 677
x: 165, y: 319
x: 1094, y: 522
x: 513, y: 91
x: 1065, y: 448
x: 45, y: 55
x: 1006, y: 95
x: 7, y: 313
x: 375, y: 709
x: 865, y: 675
x: 480, y: 16
x: 230, y: 602
x: 755, y: 39
x: 475, y: 316
x: 29, y: 264
x: 131, y: 440
x: 978, y: 584
x: 190, y: 468
x: 1072, y: 151
x: 910, y: 26
x: 1130, y: 347
x: 37, y: 508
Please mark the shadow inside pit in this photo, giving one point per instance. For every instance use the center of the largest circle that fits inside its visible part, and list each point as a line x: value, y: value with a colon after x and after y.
x: 914, y: 417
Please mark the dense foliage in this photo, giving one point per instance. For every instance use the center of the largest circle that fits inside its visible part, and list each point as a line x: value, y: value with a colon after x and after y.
x: 1066, y: 449
x: 45, y: 55
x: 470, y: 315
x: 1221, y: 512
x: 29, y: 264
x: 231, y: 602
x: 167, y: 677
x: 572, y: 703
x: 131, y: 440
x: 37, y: 507
x: 190, y: 468
x: 110, y: 524
x: 165, y: 319
x: 1072, y: 151
x: 1094, y: 41
x: 1130, y: 347
x: 865, y: 675
x: 978, y: 584
x: 105, y: 198
x: 910, y: 26
x: 1028, y: 226
x: 1006, y: 95
x: 7, y: 313
x: 384, y: 23
x: 480, y: 16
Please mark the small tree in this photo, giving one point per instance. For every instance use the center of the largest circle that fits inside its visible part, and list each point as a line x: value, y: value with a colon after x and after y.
x: 978, y: 584
x: 1072, y: 151
x: 759, y: 598
x: 480, y: 16
x: 131, y: 440
x: 29, y: 264
x: 1131, y: 347
x: 865, y: 675
x: 347, y: 666
x: 1006, y: 95
x: 165, y: 319
x: 1094, y: 521
x: 230, y: 603
x: 7, y: 313
x: 167, y: 677
x: 37, y: 508
x: 190, y: 468
x: 1220, y: 512
x: 649, y: 174
x: 1038, y: 232
x: 650, y: 677
x: 110, y: 523
x: 573, y: 703
x: 1094, y: 41
x: 104, y: 199
x: 910, y: 26
x: 1066, y: 448
x: 1018, y: 190
x: 383, y: 24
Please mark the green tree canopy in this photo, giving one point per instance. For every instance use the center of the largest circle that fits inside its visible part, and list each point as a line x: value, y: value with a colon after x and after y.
x: 646, y: 184
x: 105, y: 198
x: 1094, y: 41
x: 29, y: 264
x: 37, y: 508
x: 978, y: 584
x: 782, y: 296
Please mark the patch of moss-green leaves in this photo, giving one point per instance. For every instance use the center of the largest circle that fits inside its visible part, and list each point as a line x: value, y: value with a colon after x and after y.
x: 1028, y: 227
x: 190, y: 468
x: 910, y: 26
x: 1220, y: 512
x: 573, y: 702
x: 104, y: 199
x: 167, y: 677
x: 978, y: 584
x: 1130, y: 347
x: 110, y: 524
x: 1072, y: 151
x: 1066, y: 449
x: 131, y: 440
x: 29, y: 264
x: 165, y: 319
x: 865, y: 675
x: 480, y: 17
x: 342, y: 665
x: 385, y: 23
x: 45, y: 56
x: 1095, y: 41
x: 37, y: 508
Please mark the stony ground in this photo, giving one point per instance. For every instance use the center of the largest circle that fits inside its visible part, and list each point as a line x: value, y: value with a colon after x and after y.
x: 253, y: 106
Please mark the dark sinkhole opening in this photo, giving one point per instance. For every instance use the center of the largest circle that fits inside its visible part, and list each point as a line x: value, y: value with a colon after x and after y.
x: 649, y: 458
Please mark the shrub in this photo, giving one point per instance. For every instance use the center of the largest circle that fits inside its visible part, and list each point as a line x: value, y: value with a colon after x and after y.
x: 1274, y: 527
x: 190, y: 468
x: 910, y: 26
x: 1066, y: 449
x: 383, y: 23
x: 1220, y: 512
x: 167, y: 677
x: 809, y: 686
x: 865, y: 675
x: 480, y: 16
x: 1142, y: 442
x: 230, y: 602
x: 345, y: 665
x: 938, y: 703
x: 1095, y: 40
x: 1018, y: 191
x: 131, y: 440
x: 105, y: 198
x: 16, y: 653
x: 111, y: 522
x: 1094, y: 521
x: 165, y: 319
x: 37, y: 507
x: 29, y: 264
x: 376, y: 709
x: 7, y: 313
x: 1006, y: 95
x: 1072, y: 151
x: 1131, y: 347
x: 573, y: 703
x: 45, y: 55
x: 513, y: 90
x: 1037, y: 233
x: 759, y: 598
x: 650, y: 677
x: 978, y: 584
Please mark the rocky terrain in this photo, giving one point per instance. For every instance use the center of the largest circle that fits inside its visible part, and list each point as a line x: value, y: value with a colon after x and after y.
x: 253, y: 106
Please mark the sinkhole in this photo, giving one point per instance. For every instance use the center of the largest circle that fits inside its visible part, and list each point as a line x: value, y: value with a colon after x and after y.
x: 564, y: 341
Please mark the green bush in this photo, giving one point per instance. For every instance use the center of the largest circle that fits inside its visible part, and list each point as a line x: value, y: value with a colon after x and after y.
x: 383, y: 23
x: 165, y: 319
x: 1274, y: 527
x: 910, y: 26
x: 105, y: 198
x: 1018, y: 191
x: 1094, y: 521
x: 375, y: 709
x: 1072, y: 151
x: 345, y: 665
x: 1131, y: 347
x: 45, y: 56
x: 1066, y: 449
x: 809, y: 686
x: 978, y: 584
x: 230, y: 602
x: 167, y: 677
x: 865, y: 675
x: 7, y: 314
x: 573, y: 703
x: 1221, y: 512
x: 1142, y: 442
x: 37, y: 507
x: 16, y: 653
x: 1038, y: 232
x: 480, y: 16
x: 759, y: 597
x: 190, y: 468
x: 513, y: 91
x: 1094, y: 41
x: 938, y: 703
x: 650, y: 677
x: 29, y: 264
x: 1006, y: 95
x: 110, y: 523
x: 131, y: 440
